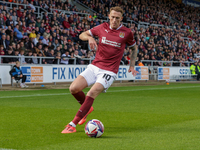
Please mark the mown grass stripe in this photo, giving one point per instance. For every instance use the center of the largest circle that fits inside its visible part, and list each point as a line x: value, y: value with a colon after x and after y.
x: 168, y: 88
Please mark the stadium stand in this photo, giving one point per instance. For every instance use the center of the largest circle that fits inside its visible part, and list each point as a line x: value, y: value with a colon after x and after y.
x: 49, y: 29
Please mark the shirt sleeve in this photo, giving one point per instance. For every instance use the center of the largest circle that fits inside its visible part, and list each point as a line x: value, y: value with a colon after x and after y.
x: 96, y: 30
x: 130, y: 41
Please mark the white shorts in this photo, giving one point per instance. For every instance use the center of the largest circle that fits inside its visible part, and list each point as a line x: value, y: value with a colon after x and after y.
x: 93, y: 74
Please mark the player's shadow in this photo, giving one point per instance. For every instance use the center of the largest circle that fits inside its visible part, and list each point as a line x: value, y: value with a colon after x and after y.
x: 123, y: 129
x: 110, y: 137
x: 110, y: 132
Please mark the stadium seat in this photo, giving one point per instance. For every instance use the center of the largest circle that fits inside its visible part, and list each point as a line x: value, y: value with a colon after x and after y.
x: 16, y: 81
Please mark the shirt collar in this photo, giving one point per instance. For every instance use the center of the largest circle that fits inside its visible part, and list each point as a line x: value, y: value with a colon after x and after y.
x: 117, y: 28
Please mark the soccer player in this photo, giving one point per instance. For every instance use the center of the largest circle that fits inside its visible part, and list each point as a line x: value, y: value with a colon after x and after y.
x: 113, y: 37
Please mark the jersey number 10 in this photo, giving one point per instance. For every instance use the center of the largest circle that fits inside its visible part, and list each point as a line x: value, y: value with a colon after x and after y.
x: 106, y: 76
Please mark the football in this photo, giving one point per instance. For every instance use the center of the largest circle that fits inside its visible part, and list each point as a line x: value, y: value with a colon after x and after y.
x: 94, y: 128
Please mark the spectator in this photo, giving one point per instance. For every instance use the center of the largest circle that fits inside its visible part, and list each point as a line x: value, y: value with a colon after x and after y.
x: 22, y: 47
x: 57, y: 58
x: 45, y: 40
x: 139, y: 63
x: 19, y: 13
x: 58, y: 50
x: 2, y: 21
x: 51, y: 54
x: 65, y: 48
x: 19, y: 34
x: 22, y: 59
x: 66, y: 24
x: 78, y: 58
x: 3, y: 41
x: 38, y: 23
x: 32, y: 6
x: 46, y: 51
x: 56, y: 44
x: 65, y: 58
x: 9, y: 21
x: 8, y: 60
x: 29, y: 60
x: 32, y: 34
x: 36, y: 3
x: 41, y: 29
x: 35, y: 60
x: 9, y: 31
x: 16, y: 53
x: 1, y: 52
x: 7, y: 41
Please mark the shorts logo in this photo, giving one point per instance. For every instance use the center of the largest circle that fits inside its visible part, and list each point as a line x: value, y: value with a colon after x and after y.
x: 121, y: 34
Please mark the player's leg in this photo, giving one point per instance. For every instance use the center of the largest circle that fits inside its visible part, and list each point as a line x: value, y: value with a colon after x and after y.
x: 85, y: 108
x: 76, y: 88
x: 95, y: 90
x: 85, y: 79
x: 104, y: 80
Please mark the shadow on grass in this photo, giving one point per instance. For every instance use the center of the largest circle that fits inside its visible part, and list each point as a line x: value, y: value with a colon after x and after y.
x: 110, y: 137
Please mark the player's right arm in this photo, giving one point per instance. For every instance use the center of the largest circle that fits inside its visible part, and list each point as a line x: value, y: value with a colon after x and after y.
x: 86, y: 36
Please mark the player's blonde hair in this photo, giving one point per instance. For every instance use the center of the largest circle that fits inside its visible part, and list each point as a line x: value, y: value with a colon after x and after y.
x: 17, y: 62
x: 117, y: 9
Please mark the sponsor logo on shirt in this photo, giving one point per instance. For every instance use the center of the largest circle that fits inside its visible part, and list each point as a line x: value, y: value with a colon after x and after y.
x: 121, y: 34
x: 108, y: 42
x: 106, y: 30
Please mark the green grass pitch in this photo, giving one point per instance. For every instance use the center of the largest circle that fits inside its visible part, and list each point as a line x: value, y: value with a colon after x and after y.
x: 161, y: 117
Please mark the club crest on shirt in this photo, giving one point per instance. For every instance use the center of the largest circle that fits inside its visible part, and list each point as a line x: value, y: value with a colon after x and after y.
x: 121, y: 34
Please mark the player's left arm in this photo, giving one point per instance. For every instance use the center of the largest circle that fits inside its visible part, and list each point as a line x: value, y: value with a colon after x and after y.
x: 133, y: 60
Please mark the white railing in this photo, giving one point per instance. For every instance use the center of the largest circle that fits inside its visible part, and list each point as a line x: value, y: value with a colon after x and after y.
x: 169, y: 63
x: 151, y: 62
x: 41, y: 58
x: 67, y: 12
x: 20, y: 58
x: 189, y: 39
x: 183, y: 77
x: 85, y: 6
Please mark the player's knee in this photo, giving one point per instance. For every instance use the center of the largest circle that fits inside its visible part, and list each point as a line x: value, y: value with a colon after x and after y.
x: 73, y: 89
x: 94, y: 93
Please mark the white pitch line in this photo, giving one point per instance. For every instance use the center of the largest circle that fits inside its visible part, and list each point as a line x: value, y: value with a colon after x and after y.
x: 35, y: 95
x: 155, y: 89
x: 5, y: 149
x: 148, y: 89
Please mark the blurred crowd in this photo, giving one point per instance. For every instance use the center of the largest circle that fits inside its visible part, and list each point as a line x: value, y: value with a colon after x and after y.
x: 56, y: 35
x: 151, y: 11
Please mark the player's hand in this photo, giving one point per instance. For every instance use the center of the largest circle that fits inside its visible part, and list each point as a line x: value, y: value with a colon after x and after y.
x: 20, y: 75
x: 133, y: 71
x: 13, y: 77
x: 92, y: 43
